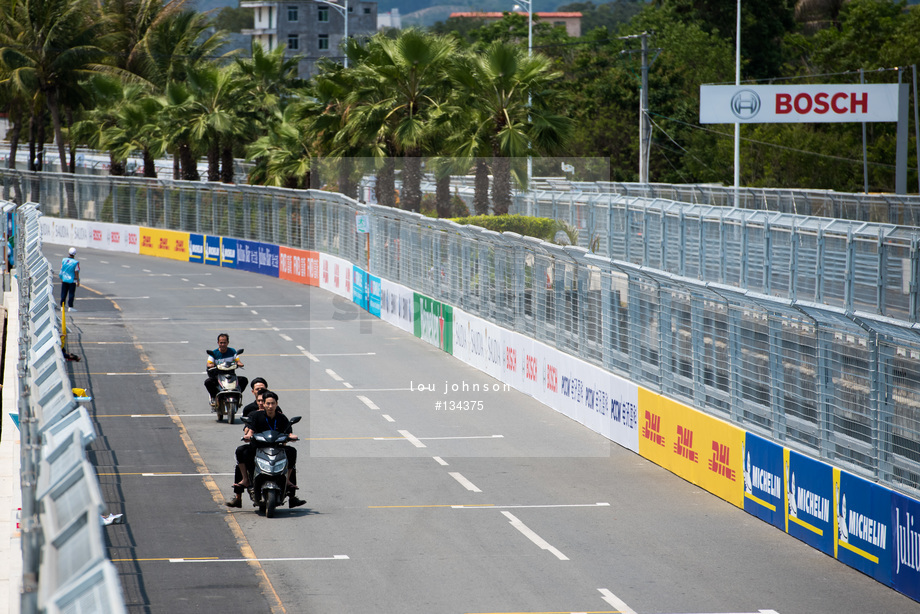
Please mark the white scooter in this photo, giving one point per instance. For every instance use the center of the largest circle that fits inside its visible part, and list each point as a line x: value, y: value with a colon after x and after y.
x: 229, y: 396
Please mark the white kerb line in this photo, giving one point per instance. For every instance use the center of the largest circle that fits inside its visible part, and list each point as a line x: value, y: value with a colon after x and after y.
x: 542, y: 543
x: 616, y: 601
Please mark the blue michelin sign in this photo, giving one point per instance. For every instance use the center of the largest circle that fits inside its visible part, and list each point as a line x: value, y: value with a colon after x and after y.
x: 763, y: 480
x: 809, y: 501
x: 212, y: 250
x: 196, y: 248
x: 228, y: 253
x: 862, y: 513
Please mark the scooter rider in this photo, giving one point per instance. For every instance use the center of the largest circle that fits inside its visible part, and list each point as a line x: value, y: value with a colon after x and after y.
x: 267, y: 419
x: 223, y: 351
x: 257, y: 385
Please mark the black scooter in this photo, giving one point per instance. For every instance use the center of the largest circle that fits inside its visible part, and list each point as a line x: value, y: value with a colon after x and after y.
x: 269, y: 483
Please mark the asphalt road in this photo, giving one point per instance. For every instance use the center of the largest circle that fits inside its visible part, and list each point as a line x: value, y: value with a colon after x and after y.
x: 411, y: 508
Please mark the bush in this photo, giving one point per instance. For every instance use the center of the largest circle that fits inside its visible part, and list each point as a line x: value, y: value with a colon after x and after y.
x: 539, y: 227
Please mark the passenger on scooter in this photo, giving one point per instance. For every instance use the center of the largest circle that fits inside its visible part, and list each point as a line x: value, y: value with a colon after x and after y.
x: 223, y: 351
x: 258, y: 384
x: 269, y: 418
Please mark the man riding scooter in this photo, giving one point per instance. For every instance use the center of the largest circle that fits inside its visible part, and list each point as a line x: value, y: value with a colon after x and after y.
x: 224, y: 359
x: 268, y: 419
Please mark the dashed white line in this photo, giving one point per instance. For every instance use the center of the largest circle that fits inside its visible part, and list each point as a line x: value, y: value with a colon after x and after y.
x: 615, y: 601
x: 183, y: 279
x: 334, y: 375
x: 542, y: 543
x: 479, y: 507
x: 230, y: 296
x: 307, y: 354
x: 413, y: 439
x: 242, y: 304
x: 337, y: 557
x: 464, y: 482
x: 254, y: 312
x: 440, y: 460
x: 387, y: 418
x: 285, y: 337
x: 347, y: 385
x: 367, y: 401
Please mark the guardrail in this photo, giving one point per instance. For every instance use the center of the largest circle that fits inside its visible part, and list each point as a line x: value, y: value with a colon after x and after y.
x: 64, y: 568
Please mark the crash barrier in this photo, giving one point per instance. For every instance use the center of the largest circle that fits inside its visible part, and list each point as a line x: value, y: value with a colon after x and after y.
x: 854, y: 266
x: 64, y: 564
x: 727, y: 380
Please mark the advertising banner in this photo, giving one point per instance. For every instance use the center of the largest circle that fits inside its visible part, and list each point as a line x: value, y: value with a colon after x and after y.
x: 764, y: 495
x: 396, y: 305
x: 228, y: 253
x: 809, y: 496
x: 862, y: 525
x: 335, y: 275
x: 196, y: 248
x: 97, y: 235
x: 164, y: 243
x: 699, y: 448
x: 905, y: 551
x: 359, y: 288
x: 771, y: 104
x: 212, y: 250
x: 373, y: 295
x: 298, y: 265
x: 257, y: 257
x: 433, y: 322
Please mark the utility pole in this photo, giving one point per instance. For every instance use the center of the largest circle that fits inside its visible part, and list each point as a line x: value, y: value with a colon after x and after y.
x: 644, y: 129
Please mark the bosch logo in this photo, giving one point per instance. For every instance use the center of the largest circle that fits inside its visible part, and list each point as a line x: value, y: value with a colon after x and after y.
x: 745, y: 104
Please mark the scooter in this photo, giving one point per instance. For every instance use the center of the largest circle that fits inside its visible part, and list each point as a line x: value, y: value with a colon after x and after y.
x: 269, y: 483
x: 229, y: 396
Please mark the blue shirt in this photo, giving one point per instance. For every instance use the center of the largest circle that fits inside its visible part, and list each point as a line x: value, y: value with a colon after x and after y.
x: 69, y: 269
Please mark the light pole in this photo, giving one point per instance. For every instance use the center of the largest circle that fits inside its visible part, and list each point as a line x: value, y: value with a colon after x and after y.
x: 529, y: 5
x: 343, y: 10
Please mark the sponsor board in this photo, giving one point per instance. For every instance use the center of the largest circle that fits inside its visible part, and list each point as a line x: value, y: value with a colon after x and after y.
x: 729, y: 104
x: 164, y: 243
x: 699, y: 448
x: 433, y: 322
x: 257, y: 257
x: 396, y: 306
x: 228, y: 253
x: 299, y: 265
x: 862, y: 525
x: 97, y: 235
x: 359, y: 288
x: 374, y: 296
x: 809, y: 500
x: 196, y: 248
x: 335, y: 275
x: 764, y: 494
x: 905, y: 549
x: 212, y: 250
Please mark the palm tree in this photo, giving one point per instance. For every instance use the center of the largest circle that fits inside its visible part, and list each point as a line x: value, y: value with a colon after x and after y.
x: 498, y: 83
x: 400, y: 85
x: 282, y: 156
x: 212, y: 111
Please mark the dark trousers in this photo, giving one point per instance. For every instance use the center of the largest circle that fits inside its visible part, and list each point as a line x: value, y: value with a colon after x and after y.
x: 213, y: 387
x: 68, y: 290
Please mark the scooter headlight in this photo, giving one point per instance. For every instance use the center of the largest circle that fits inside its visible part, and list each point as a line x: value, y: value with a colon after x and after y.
x: 265, y: 465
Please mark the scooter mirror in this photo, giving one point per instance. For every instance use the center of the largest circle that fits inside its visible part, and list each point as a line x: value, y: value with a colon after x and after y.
x: 210, y: 353
x: 240, y: 351
x: 295, y: 419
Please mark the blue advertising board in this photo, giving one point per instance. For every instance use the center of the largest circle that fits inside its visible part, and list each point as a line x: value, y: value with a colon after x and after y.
x: 212, y: 250
x: 359, y: 287
x: 862, y: 515
x: 196, y: 248
x: 228, y: 253
x: 809, y: 498
x: 257, y: 257
x: 373, y: 295
x: 763, y: 480
x: 905, y: 550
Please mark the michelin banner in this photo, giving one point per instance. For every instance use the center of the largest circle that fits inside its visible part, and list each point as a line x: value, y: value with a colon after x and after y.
x: 97, y: 235
x: 862, y: 525
x: 809, y: 497
x: 764, y: 494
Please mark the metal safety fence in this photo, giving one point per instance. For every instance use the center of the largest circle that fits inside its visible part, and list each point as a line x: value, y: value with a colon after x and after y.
x: 64, y: 568
x: 821, y: 370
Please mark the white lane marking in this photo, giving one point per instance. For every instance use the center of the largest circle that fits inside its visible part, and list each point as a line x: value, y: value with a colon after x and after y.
x: 104, y: 261
x: 285, y: 337
x: 254, y: 312
x: 337, y: 557
x: 125, y: 266
x: 152, y: 373
x: 274, y: 328
x: 338, y: 389
x: 479, y: 507
x: 464, y: 482
x: 110, y: 298
x: 147, y: 271
x: 440, y: 460
x: 230, y: 296
x: 260, y: 306
x: 412, y: 438
x: 367, y: 401
x: 387, y: 418
x: 201, y: 285
x: 181, y: 475
x: 84, y: 318
x: 309, y: 355
x: 334, y: 375
x: 467, y: 437
x: 183, y: 279
x: 242, y: 304
x: 355, y: 354
x: 542, y: 543
x: 615, y: 601
x: 265, y: 321
x: 347, y: 385
x: 128, y: 342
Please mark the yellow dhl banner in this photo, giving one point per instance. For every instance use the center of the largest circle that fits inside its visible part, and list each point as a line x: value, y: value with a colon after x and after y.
x: 699, y: 448
x: 164, y: 243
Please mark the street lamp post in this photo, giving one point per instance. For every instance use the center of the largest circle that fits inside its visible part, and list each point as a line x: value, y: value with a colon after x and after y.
x: 343, y: 10
x: 529, y: 5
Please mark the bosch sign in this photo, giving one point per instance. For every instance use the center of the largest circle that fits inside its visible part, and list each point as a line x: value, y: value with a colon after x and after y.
x: 764, y: 104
